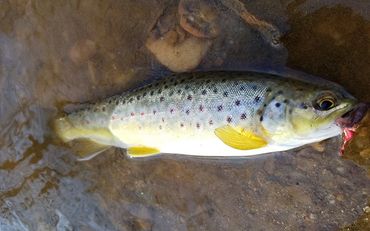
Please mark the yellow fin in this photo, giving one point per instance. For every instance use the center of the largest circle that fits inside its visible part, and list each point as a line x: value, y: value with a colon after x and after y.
x: 142, y: 151
x: 86, y: 149
x: 239, y: 138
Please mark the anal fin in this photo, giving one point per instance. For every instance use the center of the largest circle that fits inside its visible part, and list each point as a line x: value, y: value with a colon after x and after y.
x: 142, y: 151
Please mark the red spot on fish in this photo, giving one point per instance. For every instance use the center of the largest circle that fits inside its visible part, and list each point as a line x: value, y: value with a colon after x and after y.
x: 132, y: 114
x: 113, y: 118
x: 142, y: 113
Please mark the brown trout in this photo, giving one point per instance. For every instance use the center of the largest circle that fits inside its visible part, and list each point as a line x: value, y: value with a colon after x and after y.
x: 212, y: 114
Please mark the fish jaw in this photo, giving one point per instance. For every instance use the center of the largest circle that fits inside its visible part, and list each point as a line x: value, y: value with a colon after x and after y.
x: 349, y: 124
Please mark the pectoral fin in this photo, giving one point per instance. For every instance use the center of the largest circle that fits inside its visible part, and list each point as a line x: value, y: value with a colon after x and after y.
x: 142, y: 151
x: 239, y: 138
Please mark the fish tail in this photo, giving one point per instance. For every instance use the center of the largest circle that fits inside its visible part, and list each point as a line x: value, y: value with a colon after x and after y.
x: 86, y: 143
x: 65, y: 130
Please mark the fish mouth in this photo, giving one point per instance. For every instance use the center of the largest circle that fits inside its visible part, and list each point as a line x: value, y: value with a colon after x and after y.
x: 349, y: 122
x: 354, y: 116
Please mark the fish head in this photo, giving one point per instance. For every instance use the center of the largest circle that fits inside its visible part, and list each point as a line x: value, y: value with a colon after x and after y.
x: 309, y: 115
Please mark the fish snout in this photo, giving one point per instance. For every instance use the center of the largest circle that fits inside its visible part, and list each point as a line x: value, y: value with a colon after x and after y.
x: 354, y: 116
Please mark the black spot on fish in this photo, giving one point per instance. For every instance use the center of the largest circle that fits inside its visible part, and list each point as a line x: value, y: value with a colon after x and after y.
x: 162, y: 119
x: 190, y: 97
x: 226, y: 94
x: 123, y: 101
x: 236, y: 83
x: 261, y: 118
x: 179, y: 91
x: 144, y: 94
x: 171, y: 93
x: 159, y: 91
x: 103, y: 108
x: 257, y: 99
x: 165, y: 86
x: 187, y: 112
x: 210, y: 122
x: 242, y: 88
x: 132, y: 114
x: 243, y: 116
x: 171, y: 110
x: 201, y: 108
x: 303, y: 106
x: 268, y: 90
x: 154, y: 111
x: 254, y: 87
x: 151, y: 92
x: 183, y: 80
x: 229, y: 119
x: 215, y: 90
x: 277, y: 104
x: 290, y: 111
x: 280, y: 92
x: 208, y: 81
x: 181, y: 125
x: 204, y: 92
x: 264, y: 105
x: 138, y: 97
x: 219, y: 108
x: 286, y: 101
x: 110, y: 101
x: 237, y: 103
x: 198, y: 125
x: 223, y: 80
x: 161, y: 99
x: 131, y: 99
x: 156, y: 85
x: 187, y: 87
x: 117, y: 102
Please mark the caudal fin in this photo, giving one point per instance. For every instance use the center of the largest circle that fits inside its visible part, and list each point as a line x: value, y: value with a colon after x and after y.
x: 86, y: 143
x: 64, y: 129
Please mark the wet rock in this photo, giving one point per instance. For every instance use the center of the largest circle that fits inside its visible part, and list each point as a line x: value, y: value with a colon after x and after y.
x: 318, y: 146
x: 175, y: 48
x: 199, y: 18
x: 82, y: 51
x: 141, y: 225
x: 182, y: 57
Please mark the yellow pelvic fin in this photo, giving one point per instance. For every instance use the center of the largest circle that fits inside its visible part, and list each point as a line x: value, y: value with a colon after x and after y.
x: 239, y: 138
x: 86, y: 149
x: 142, y: 151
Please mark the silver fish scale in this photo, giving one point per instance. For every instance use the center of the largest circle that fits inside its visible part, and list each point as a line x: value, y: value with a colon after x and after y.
x: 195, y: 102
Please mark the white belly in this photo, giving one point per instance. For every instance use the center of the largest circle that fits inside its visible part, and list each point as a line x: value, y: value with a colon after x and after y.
x: 186, y: 142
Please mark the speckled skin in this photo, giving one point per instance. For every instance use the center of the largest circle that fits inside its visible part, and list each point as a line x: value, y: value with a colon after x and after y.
x: 180, y: 113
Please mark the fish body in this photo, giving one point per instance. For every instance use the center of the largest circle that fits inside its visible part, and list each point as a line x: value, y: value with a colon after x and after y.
x: 213, y: 114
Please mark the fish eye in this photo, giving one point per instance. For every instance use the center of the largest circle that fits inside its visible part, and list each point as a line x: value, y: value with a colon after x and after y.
x: 325, y: 103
